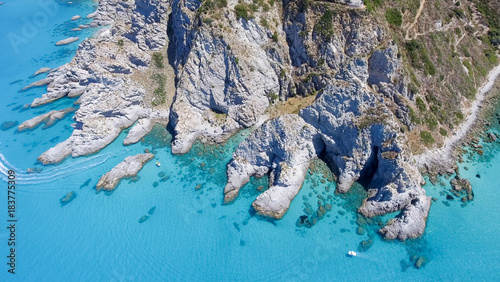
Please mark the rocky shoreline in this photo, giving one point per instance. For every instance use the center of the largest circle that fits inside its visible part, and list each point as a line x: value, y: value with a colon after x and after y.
x: 227, y: 74
x: 442, y: 160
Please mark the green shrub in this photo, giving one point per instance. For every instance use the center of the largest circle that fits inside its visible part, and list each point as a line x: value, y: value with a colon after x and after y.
x: 427, y: 138
x: 443, y: 131
x: 420, y: 104
x: 491, y: 56
x: 158, y: 60
x: 324, y: 26
x: 208, y: 20
x: 394, y: 17
x: 241, y: 11
x: 419, y: 58
x: 372, y: 4
x: 431, y: 122
x: 264, y: 23
x: 275, y: 36
x: 160, y: 93
x: 459, y: 12
x: 120, y: 42
x: 210, y: 5
x: 273, y: 96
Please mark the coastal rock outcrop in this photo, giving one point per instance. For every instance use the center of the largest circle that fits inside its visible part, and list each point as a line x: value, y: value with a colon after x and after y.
x: 231, y: 65
x: 42, y: 70
x: 67, y: 41
x: 128, y: 168
x: 110, y: 98
x: 357, y: 135
x: 284, y: 148
x: 48, y: 118
x: 411, y: 222
x: 224, y: 82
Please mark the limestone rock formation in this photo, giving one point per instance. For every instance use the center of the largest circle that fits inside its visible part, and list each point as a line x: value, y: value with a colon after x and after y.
x: 283, y: 147
x: 67, y: 41
x: 48, y: 118
x: 128, y: 168
x: 230, y: 67
x: 110, y: 99
x: 357, y: 135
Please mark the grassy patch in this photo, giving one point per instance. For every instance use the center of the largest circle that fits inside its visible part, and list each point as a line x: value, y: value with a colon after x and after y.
x: 427, y: 138
x: 372, y: 4
x: 160, y: 93
x: 394, y: 17
x: 443, y: 132
x: 241, y: 11
x: 419, y: 58
x: 324, y: 26
x: 158, y: 60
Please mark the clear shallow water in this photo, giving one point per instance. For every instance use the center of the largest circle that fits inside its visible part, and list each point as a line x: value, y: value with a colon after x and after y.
x: 191, y: 236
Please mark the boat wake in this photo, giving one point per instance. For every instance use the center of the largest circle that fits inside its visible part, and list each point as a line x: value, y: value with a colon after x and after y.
x: 364, y: 256
x: 51, y: 173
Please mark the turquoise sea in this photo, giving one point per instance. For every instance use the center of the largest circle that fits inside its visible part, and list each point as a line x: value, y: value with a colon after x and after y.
x: 191, y: 236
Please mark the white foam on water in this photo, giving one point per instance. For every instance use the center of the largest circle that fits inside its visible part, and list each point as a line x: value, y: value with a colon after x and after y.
x: 53, y: 173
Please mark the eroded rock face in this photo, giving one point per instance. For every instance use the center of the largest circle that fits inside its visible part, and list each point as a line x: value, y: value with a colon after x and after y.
x: 283, y: 147
x: 358, y: 137
x: 411, y: 222
x: 224, y: 78
x: 128, y: 168
x: 101, y: 74
x: 224, y: 82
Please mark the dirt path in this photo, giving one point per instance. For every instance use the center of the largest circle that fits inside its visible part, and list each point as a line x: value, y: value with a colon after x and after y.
x: 412, y: 25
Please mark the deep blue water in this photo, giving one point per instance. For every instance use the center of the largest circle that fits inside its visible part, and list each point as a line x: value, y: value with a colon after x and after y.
x: 191, y: 236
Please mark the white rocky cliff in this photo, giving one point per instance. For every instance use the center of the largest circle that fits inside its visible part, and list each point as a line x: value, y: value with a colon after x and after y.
x: 229, y: 69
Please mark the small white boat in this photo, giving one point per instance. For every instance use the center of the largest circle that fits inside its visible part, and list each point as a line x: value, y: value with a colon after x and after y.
x: 351, y: 253
x: 158, y: 164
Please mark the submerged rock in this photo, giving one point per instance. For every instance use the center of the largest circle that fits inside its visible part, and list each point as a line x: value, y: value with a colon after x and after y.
x: 152, y: 210
x: 128, y: 168
x: 34, y: 170
x: 360, y: 230
x: 420, y: 262
x: 143, y: 218
x: 6, y: 125
x: 86, y: 183
x: 365, y: 245
x: 68, y: 198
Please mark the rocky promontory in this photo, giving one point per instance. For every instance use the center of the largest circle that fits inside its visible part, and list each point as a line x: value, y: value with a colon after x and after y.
x: 282, y: 148
x: 48, y: 118
x: 211, y: 68
x: 357, y: 136
x: 128, y: 168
